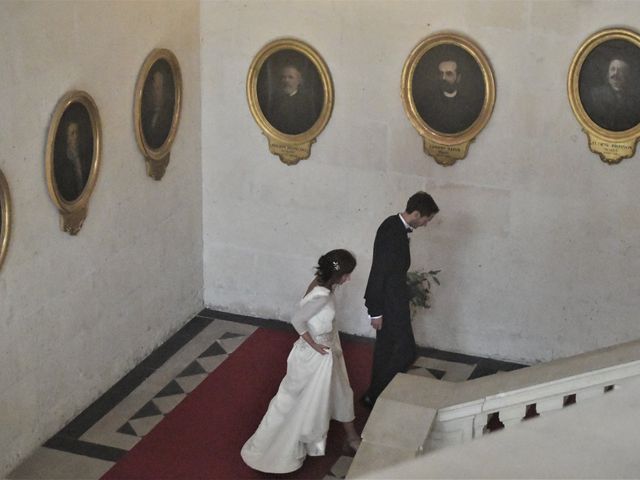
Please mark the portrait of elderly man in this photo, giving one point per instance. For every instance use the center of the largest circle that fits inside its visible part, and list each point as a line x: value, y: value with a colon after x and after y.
x: 448, y: 90
x: 72, y: 158
x: 292, y: 102
x: 615, y: 103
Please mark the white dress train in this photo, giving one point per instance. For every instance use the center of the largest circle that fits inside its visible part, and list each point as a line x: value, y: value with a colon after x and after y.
x: 314, y: 390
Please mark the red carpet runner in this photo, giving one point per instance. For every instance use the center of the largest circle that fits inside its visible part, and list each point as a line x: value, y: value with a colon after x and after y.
x: 203, y: 435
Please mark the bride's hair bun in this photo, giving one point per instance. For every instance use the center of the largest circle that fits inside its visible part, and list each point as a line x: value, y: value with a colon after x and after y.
x: 332, y: 265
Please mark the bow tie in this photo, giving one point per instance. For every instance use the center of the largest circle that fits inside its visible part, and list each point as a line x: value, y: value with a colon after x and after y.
x: 409, y: 230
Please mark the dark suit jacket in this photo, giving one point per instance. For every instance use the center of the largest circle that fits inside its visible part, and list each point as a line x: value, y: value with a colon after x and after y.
x: 293, y: 114
x: 449, y: 115
x: 156, y: 133
x: 70, y: 184
x: 613, y: 112
x: 387, y: 292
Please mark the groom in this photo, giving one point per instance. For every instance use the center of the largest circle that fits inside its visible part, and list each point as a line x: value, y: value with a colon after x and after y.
x: 387, y: 294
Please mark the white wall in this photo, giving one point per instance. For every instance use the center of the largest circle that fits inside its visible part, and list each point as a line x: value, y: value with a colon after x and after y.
x: 538, y: 240
x: 77, y: 312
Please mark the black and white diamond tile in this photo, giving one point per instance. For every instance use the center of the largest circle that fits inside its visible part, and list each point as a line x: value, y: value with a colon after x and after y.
x: 149, y: 410
x: 209, y: 364
x: 441, y: 369
x: 189, y: 383
x: 147, y: 417
x: 169, y: 402
x: 230, y: 341
x: 193, y: 369
x: 213, y: 356
x: 213, y: 351
x: 144, y: 425
x: 169, y: 397
x: 171, y: 389
x: 143, y: 421
x: 127, y: 429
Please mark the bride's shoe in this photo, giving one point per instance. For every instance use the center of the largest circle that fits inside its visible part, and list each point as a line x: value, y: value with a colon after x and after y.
x: 350, y: 446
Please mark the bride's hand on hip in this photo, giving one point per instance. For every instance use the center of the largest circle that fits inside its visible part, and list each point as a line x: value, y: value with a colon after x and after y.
x: 318, y: 347
x: 321, y: 349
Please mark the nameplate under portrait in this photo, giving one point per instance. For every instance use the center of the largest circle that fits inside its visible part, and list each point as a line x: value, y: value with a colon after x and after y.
x: 157, y: 104
x: 448, y: 92
x: 604, y: 92
x: 5, y: 217
x: 72, y: 157
x: 290, y: 96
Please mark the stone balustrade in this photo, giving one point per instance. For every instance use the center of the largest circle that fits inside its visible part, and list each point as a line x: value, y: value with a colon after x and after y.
x: 415, y: 415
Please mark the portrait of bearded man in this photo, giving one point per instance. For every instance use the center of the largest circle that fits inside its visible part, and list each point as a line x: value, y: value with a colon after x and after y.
x: 290, y: 92
x: 448, y: 89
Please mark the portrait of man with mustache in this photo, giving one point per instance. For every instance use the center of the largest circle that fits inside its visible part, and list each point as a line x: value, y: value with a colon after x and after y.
x: 448, y: 89
x: 615, y: 104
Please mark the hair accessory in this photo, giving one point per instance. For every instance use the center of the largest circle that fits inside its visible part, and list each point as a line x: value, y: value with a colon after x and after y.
x: 336, y: 267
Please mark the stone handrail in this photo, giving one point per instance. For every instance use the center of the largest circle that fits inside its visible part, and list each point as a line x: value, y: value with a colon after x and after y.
x: 416, y: 414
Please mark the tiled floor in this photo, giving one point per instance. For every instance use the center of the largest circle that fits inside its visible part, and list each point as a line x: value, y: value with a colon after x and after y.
x: 91, y: 443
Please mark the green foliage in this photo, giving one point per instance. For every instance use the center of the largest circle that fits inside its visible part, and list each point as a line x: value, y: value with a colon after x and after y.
x: 420, y: 287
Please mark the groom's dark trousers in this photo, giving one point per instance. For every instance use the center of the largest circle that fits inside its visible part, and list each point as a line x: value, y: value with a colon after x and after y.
x: 387, y: 294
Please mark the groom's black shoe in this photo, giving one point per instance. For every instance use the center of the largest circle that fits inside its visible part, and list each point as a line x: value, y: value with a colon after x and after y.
x: 367, y: 401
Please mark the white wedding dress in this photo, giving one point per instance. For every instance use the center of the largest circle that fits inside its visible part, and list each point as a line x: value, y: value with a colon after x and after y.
x: 315, y: 390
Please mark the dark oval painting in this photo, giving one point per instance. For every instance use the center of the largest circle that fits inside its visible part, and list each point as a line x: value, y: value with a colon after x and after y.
x: 448, y: 88
x: 158, y: 104
x: 290, y: 91
x: 73, y: 151
x: 609, y: 85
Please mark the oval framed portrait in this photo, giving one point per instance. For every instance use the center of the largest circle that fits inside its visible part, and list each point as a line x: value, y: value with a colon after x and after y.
x: 448, y: 89
x: 72, y: 157
x: 5, y: 217
x: 290, y: 92
x: 157, y: 106
x: 604, y: 88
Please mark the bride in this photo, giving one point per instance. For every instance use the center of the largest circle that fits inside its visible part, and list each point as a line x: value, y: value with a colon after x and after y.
x: 315, y: 388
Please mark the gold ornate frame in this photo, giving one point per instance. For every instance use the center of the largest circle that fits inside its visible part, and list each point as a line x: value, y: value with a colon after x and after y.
x: 445, y: 148
x: 157, y: 159
x: 5, y: 217
x: 611, y: 146
x: 290, y: 148
x: 73, y: 213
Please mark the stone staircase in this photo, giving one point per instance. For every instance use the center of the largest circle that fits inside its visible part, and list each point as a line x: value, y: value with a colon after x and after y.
x: 416, y: 415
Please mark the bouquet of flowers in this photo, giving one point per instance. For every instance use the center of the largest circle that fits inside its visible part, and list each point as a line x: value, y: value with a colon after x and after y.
x: 419, y: 283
